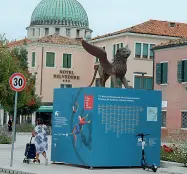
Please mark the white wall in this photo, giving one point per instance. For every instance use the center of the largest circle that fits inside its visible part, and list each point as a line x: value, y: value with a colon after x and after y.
x: 73, y: 32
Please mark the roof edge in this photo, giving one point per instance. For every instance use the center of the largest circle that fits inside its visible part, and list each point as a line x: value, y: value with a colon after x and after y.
x: 134, y: 34
x: 169, y: 46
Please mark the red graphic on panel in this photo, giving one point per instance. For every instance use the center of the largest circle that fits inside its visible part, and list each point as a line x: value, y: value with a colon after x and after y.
x: 88, y: 102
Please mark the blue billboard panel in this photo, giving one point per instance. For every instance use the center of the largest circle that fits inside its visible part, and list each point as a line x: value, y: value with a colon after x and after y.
x: 97, y: 127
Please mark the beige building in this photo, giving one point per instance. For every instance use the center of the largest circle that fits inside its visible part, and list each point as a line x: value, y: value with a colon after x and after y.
x: 140, y: 39
x: 58, y: 62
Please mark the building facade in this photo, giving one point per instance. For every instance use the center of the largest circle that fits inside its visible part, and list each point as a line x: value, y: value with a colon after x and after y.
x: 57, y: 62
x: 140, y: 39
x: 171, y: 78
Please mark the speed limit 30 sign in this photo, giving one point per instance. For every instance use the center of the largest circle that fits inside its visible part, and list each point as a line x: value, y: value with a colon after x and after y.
x: 17, y: 82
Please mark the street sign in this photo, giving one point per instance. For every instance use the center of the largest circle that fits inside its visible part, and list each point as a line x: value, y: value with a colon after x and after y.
x: 18, y: 83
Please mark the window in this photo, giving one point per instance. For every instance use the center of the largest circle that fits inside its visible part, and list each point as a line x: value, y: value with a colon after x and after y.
x: 78, y: 33
x: 172, y: 24
x: 182, y: 71
x: 50, y: 59
x: 146, y: 80
x: 143, y: 50
x: 46, y: 31
x: 39, y: 31
x: 138, y: 50
x: 33, y: 59
x: 162, y: 73
x: 97, y: 82
x: 163, y: 119
x: 118, y: 82
x: 184, y: 120
x: 33, y: 32
x: 96, y: 60
x: 66, y: 60
x: 66, y: 86
x: 116, y: 47
x: 68, y: 32
x: 57, y: 31
x: 151, y: 52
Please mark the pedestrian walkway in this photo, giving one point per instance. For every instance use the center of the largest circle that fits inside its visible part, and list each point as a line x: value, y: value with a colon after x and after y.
x: 18, y: 165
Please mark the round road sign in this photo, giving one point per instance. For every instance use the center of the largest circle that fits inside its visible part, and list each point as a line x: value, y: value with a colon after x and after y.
x: 17, y: 82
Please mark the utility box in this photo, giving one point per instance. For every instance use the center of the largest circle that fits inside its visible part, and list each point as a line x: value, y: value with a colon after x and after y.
x: 97, y: 127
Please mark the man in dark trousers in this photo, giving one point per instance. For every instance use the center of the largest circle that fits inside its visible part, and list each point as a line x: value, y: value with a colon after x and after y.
x: 10, y: 124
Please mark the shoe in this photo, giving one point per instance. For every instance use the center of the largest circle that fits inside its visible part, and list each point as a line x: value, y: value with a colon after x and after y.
x: 46, y: 161
x: 37, y: 163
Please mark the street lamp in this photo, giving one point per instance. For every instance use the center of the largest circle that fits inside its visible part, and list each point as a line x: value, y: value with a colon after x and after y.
x: 142, y: 81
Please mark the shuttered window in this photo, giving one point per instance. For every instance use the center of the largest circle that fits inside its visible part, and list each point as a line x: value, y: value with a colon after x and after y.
x: 162, y: 73
x: 67, y: 60
x: 145, y: 50
x: 182, y: 71
x: 138, y: 50
x: 151, y: 52
x: 114, y: 50
x: 96, y: 59
x: 33, y: 59
x: 116, y: 47
x: 147, y: 82
x: 50, y: 59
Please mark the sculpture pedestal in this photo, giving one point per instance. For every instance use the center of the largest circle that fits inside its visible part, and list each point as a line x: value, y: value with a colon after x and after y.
x: 106, y: 137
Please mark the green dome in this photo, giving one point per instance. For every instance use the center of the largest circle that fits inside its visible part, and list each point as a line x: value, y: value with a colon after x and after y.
x: 60, y: 12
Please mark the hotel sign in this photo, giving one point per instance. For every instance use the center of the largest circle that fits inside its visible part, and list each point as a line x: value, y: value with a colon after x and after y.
x: 66, y: 76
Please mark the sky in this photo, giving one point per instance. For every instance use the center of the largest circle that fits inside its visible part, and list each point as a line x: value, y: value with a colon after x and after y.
x: 105, y: 16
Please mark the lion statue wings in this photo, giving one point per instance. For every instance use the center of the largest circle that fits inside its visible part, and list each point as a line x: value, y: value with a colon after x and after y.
x: 116, y: 69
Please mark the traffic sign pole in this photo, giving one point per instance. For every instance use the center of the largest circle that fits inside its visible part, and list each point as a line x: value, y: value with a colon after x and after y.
x: 14, y: 128
x: 17, y: 83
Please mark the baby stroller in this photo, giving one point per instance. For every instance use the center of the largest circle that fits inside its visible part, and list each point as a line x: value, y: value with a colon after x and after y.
x: 30, y: 153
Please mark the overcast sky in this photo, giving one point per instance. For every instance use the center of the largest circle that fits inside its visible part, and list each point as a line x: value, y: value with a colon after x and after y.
x: 104, y: 15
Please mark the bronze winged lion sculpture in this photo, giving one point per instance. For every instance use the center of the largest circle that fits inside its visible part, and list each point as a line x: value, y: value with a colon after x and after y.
x: 117, y: 69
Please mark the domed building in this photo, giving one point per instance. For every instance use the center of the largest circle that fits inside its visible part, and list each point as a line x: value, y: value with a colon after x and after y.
x: 63, y: 17
x: 55, y: 54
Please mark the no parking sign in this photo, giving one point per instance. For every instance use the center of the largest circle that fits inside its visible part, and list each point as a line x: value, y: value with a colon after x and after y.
x: 18, y: 83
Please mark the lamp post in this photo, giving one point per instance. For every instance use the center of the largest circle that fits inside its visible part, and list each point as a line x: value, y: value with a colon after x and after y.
x: 142, y: 80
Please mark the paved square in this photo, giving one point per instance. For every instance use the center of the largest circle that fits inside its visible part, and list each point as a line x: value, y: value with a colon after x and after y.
x: 23, y: 139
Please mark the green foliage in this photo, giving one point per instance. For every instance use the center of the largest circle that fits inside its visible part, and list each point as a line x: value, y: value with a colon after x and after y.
x: 5, y: 136
x: 178, y: 153
x: 12, y: 61
x: 4, y: 139
x: 25, y: 127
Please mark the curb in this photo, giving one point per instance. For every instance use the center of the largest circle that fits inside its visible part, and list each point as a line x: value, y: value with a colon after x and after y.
x: 163, y: 171
x: 12, y: 171
x: 166, y: 164
x: 24, y: 133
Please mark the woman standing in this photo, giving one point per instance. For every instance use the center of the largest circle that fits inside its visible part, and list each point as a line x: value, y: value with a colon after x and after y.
x: 41, y: 140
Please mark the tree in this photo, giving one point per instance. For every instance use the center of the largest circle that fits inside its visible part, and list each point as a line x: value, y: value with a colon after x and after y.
x: 12, y: 61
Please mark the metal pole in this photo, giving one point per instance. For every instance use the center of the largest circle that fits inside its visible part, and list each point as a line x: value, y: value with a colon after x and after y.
x: 14, y: 128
